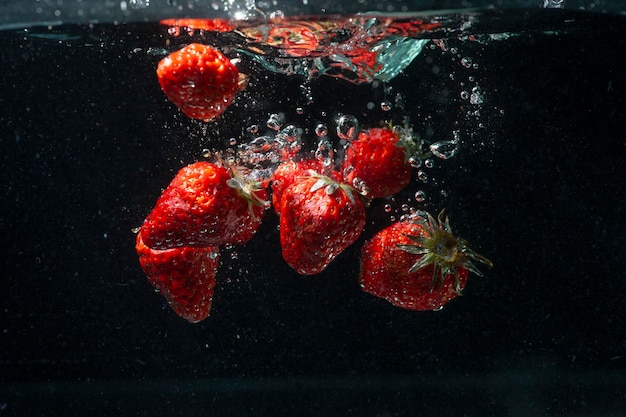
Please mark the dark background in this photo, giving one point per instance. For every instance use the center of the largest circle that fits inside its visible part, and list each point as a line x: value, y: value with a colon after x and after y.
x: 88, y: 142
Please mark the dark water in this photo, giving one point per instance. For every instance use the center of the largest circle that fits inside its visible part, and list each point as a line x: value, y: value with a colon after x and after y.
x: 89, y: 141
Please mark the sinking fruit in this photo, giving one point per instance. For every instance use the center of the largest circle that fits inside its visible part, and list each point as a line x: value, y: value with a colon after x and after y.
x: 206, y: 204
x: 185, y: 276
x: 199, y: 80
x: 319, y: 219
x: 417, y: 263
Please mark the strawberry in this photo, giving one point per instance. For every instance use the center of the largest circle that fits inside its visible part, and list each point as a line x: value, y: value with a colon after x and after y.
x: 297, y: 39
x: 211, y: 25
x: 319, y: 219
x: 417, y: 263
x: 199, y: 80
x: 185, y: 276
x: 286, y: 174
x: 206, y: 204
x: 379, y: 158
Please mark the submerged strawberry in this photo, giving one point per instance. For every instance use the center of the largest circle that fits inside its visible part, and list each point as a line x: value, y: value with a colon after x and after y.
x: 287, y: 173
x: 199, y: 80
x: 379, y: 158
x: 319, y: 219
x: 184, y: 276
x: 417, y: 264
x: 206, y: 204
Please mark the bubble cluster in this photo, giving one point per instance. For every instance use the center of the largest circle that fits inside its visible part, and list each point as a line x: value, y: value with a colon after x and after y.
x: 275, y: 121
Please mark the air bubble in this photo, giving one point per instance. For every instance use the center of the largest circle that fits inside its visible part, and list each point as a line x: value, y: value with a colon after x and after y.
x: 385, y: 105
x: 553, y: 4
x: 466, y: 62
x: 138, y: 4
x: 232, y: 142
x: 300, y: 110
x: 415, y: 162
x: 325, y: 153
x: 477, y: 96
x: 290, y: 133
x: 465, y: 95
x: 206, y: 153
x: 277, y: 14
x: 420, y: 196
x: 429, y: 163
x: 445, y: 149
x: 254, y: 129
x: 321, y: 130
x: 422, y: 176
x: 347, y: 127
x: 387, y: 208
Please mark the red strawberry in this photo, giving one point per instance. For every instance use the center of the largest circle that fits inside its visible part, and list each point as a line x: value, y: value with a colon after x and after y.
x: 199, y: 80
x: 380, y: 159
x: 212, y: 25
x: 205, y: 205
x: 417, y: 264
x: 319, y: 219
x: 184, y: 276
x: 286, y: 174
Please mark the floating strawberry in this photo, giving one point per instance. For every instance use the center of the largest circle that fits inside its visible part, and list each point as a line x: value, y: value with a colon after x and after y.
x: 211, y: 25
x: 319, y: 219
x: 379, y: 158
x: 184, y: 276
x: 206, y: 204
x: 417, y: 264
x: 199, y: 80
x: 297, y: 39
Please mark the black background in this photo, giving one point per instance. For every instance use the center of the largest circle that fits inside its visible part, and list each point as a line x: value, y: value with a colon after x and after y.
x: 88, y: 142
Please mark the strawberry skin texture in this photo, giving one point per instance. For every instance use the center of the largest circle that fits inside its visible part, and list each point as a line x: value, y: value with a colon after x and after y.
x: 384, y: 271
x: 184, y: 276
x: 315, y: 227
x: 199, y: 80
x: 377, y: 158
x: 286, y: 174
x: 199, y: 208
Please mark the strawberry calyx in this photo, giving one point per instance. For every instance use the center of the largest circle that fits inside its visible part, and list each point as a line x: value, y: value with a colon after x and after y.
x: 331, y: 186
x: 410, y: 142
x: 246, y: 187
x: 441, y: 248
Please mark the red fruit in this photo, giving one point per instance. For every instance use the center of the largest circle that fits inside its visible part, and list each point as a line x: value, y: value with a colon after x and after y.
x: 297, y: 39
x: 319, y: 219
x: 205, y: 205
x: 212, y: 25
x: 380, y: 159
x: 184, y: 276
x: 199, y: 80
x: 286, y: 174
x: 417, y: 264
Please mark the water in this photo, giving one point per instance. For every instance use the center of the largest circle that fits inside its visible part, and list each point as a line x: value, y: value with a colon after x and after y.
x: 524, y: 115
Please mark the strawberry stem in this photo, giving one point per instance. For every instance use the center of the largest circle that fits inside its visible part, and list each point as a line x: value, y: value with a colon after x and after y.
x: 443, y: 250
